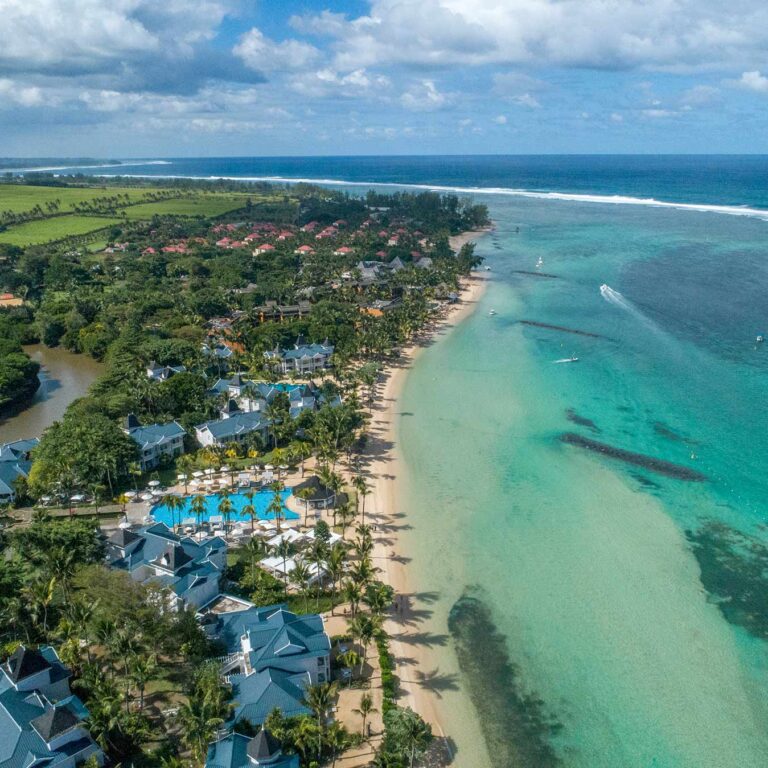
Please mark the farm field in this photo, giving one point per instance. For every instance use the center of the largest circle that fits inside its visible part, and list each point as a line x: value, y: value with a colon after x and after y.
x: 204, y: 205
x: 45, y: 230
x: 19, y: 198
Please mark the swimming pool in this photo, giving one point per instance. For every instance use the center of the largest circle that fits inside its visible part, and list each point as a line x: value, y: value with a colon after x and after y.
x: 261, y: 500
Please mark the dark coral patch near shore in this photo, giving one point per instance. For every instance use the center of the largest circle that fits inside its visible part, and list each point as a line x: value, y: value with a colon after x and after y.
x: 515, y: 724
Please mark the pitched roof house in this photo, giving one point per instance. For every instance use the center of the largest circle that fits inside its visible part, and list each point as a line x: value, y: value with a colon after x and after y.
x: 303, y: 358
x: 157, y: 442
x: 41, y: 722
x: 14, y: 465
x: 190, y: 570
x: 273, y: 656
x: 239, y: 751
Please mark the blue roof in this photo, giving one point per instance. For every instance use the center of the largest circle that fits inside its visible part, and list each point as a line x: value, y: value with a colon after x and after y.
x: 275, y: 634
x: 232, y: 752
x: 257, y: 694
x: 10, y: 472
x: 19, y: 449
x: 240, y: 423
x: 22, y: 713
x: 156, y: 434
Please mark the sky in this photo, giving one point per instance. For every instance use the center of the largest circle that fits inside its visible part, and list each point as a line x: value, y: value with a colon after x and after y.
x: 172, y: 78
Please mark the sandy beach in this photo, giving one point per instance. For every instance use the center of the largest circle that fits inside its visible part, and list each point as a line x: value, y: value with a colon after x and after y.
x: 384, y: 469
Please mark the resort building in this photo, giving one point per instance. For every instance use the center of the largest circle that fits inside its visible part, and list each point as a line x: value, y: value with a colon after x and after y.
x: 41, y: 722
x: 14, y: 465
x: 274, y: 655
x: 303, y: 359
x: 238, y: 751
x: 157, y: 442
x: 252, y: 396
x: 191, y: 571
x: 163, y: 372
x: 318, y: 496
x: 235, y: 427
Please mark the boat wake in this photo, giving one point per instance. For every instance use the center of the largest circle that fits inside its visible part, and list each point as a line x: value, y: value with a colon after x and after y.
x: 617, y: 299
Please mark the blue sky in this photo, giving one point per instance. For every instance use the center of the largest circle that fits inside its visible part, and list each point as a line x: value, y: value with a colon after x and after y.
x: 152, y: 78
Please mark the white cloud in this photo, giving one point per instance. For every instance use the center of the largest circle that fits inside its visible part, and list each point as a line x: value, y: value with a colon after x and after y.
x: 265, y: 55
x: 753, y: 81
x: 424, y: 97
x: 24, y: 96
x: 594, y: 33
x: 657, y: 113
x: 81, y: 34
x: 616, y: 117
x: 699, y: 95
x: 500, y: 119
x: 329, y: 82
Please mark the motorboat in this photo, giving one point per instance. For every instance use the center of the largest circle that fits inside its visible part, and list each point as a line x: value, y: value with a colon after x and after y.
x: 571, y: 359
x: 492, y: 312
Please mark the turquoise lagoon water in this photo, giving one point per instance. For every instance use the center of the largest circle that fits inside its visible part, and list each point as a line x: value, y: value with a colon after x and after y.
x: 261, y: 501
x: 632, y: 604
x: 626, y: 597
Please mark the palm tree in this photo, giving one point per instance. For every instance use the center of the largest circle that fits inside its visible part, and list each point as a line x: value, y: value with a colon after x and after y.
x: 199, y: 506
x: 365, y: 709
x: 350, y: 660
x: 143, y: 669
x: 353, y: 594
x: 256, y: 549
x: 305, y: 494
x: 225, y: 508
x: 60, y: 564
x: 345, y: 515
x: 363, y: 489
x: 199, y: 722
x: 319, y: 699
x: 284, y: 549
x: 172, y: 503
x: 249, y: 508
x: 275, y: 507
x: 39, y: 595
x: 81, y: 616
x: 301, y: 576
x: 337, y: 739
x: 362, y: 629
x: 334, y: 563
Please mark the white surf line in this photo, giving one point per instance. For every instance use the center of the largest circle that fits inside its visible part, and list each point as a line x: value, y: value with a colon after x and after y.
x: 730, y: 210
x: 133, y: 164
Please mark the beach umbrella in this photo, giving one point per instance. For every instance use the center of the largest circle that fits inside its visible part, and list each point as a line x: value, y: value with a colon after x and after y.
x: 224, y: 469
x: 130, y: 494
x: 181, y: 477
x: 153, y: 483
x: 197, y: 473
x: 210, y: 471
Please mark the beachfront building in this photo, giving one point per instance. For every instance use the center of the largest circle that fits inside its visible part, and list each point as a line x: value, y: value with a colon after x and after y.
x: 318, y: 496
x: 157, y: 443
x: 302, y: 359
x: 239, y: 751
x: 189, y: 570
x: 163, y: 372
x: 15, y: 464
x: 41, y: 722
x: 235, y: 426
x: 273, y: 656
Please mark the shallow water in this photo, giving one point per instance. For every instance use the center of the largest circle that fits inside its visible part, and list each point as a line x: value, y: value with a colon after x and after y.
x: 583, y: 559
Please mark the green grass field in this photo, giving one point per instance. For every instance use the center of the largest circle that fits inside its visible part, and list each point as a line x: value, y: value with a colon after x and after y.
x: 24, y: 197
x: 45, y: 230
x: 204, y: 205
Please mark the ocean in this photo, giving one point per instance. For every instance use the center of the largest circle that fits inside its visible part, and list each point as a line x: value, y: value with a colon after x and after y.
x: 596, y: 528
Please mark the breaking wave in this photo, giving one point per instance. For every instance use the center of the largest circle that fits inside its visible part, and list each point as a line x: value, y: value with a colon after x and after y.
x: 731, y: 210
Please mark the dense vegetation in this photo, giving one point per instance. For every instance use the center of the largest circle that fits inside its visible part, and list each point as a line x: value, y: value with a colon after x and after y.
x: 196, y: 278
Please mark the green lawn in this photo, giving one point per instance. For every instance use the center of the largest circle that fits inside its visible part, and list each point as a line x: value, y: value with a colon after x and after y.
x: 45, y: 230
x: 204, y: 205
x: 24, y: 197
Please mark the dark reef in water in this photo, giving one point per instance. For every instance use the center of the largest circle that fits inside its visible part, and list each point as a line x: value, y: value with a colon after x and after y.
x: 663, y: 430
x: 660, y: 466
x: 581, y: 421
x: 562, y: 329
x: 646, y: 482
x: 734, y: 570
x: 529, y: 273
x: 514, y: 723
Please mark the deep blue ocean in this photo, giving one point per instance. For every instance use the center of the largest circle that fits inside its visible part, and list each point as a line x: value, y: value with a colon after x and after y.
x: 633, y: 594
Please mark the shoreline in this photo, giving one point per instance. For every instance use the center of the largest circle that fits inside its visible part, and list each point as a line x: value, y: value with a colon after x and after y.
x: 384, y: 468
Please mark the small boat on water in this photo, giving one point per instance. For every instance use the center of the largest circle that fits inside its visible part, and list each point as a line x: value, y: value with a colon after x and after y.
x: 572, y: 359
x: 760, y: 339
x: 487, y: 269
x: 540, y: 263
x: 492, y: 312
